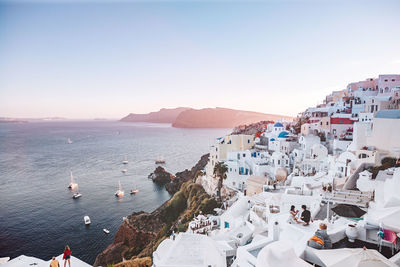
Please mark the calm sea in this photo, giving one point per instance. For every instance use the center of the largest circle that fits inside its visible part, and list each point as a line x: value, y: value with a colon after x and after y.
x: 38, y: 216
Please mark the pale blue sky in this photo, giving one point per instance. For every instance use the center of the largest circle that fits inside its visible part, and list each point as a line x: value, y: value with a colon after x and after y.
x: 101, y: 59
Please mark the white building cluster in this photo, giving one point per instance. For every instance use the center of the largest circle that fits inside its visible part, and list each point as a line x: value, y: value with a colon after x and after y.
x: 330, y: 164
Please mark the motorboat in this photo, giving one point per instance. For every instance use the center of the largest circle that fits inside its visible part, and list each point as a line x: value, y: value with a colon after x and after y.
x: 86, y: 219
x: 125, y: 161
x: 124, y: 170
x: 76, y: 195
x: 72, y: 185
x: 119, y: 192
x: 106, y: 231
x: 160, y: 160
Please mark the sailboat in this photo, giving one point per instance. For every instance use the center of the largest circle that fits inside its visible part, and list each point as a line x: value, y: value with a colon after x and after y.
x: 125, y: 161
x: 69, y: 141
x: 134, y: 191
x: 72, y: 185
x: 120, y: 192
x: 160, y: 160
x: 77, y: 194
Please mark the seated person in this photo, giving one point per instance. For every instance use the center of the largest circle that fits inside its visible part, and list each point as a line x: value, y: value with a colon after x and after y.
x: 293, y: 214
x: 321, y: 239
x: 305, y: 217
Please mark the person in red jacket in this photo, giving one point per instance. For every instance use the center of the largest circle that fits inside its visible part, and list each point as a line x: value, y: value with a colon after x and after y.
x: 67, y: 256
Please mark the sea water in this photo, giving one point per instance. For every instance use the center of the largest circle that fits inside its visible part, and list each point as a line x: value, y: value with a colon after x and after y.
x: 38, y: 215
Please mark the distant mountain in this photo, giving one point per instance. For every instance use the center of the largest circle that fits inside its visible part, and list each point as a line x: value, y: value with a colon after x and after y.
x: 164, y: 115
x: 221, y: 118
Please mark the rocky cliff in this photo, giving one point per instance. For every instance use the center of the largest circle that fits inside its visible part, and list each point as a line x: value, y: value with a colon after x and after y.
x: 164, y: 115
x: 186, y: 175
x: 160, y: 176
x: 221, y: 118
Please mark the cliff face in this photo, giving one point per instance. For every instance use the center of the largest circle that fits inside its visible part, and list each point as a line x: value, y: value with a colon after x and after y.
x: 186, y: 175
x: 221, y: 118
x: 162, y: 116
x: 140, y: 234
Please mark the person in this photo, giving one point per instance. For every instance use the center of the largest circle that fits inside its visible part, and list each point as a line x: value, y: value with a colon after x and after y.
x: 321, y: 239
x: 305, y: 217
x: 54, y: 262
x: 67, y: 256
x: 293, y: 213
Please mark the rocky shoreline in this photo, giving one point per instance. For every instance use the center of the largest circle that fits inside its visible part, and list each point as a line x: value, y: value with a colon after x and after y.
x: 141, y: 232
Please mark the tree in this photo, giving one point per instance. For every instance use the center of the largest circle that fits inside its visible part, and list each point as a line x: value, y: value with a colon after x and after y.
x: 220, y: 170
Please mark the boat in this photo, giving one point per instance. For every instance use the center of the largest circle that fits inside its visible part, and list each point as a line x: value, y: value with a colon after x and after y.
x: 124, y: 170
x: 77, y: 194
x: 134, y: 191
x: 160, y: 160
x: 119, y: 192
x: 106, y: 231
x: 86, y: 219
x: 125, y: 161
x: 72, y: 185
x: 69, y: 141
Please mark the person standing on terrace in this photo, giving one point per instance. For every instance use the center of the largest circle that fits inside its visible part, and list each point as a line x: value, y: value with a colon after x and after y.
x: 67, y: 256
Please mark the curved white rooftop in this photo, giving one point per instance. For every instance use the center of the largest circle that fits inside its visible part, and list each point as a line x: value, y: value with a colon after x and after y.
x: 192, y: 250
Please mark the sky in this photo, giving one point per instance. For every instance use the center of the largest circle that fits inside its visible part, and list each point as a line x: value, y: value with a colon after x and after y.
x: 105, y: 59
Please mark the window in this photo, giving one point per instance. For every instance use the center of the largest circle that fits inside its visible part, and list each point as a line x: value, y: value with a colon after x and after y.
x: 279, y: 162
x: 327, y: 123
x: 244, y: 155
x: 340, y: 121
x: 230, y: 169
x: 393, y: 80
x: 386, y: 80
x: 248, y: 141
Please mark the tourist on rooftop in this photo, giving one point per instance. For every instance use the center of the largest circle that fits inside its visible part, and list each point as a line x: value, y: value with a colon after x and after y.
x: 54, y: 262
x: 293, y: 214
x: 67, y: 256
x: 321, y: 239
x: 305, y: 217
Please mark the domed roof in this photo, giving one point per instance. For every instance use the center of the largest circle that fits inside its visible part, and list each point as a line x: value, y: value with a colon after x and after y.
x: 278, y: 124
x: 272, y: 139
x: 283, y: 134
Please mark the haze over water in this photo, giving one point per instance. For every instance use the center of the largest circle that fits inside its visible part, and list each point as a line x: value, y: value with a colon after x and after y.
x: 39, y: 216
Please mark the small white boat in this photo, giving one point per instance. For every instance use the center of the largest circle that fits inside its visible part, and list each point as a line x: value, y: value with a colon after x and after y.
x: 160, y: 160
x: 125, y: 161
x: 86, y: 219
x: 134, y: 191
x: 124, y: 170
x: 76, y: 195
x: 72, y: 185
x: 69, y: 141
x: 106, y: 231
x: 119, y: 192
